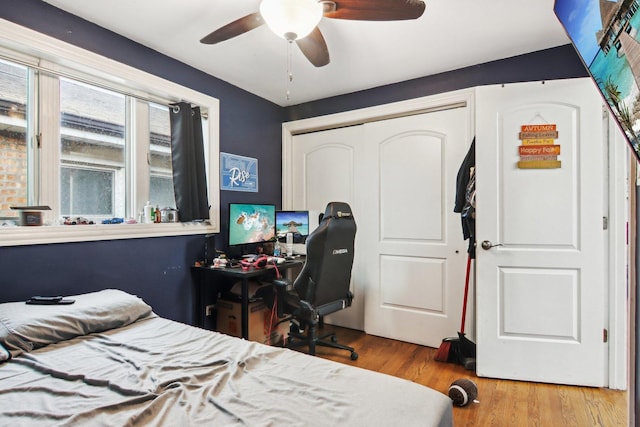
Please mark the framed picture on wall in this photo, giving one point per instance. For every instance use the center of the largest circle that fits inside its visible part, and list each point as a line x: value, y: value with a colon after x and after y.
x: 238, y: 173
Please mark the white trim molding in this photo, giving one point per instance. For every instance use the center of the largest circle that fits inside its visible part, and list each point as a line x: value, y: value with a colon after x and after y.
x: 618, y: 252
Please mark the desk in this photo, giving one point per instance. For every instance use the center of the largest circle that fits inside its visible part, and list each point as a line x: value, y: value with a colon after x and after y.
x: 207, y: 273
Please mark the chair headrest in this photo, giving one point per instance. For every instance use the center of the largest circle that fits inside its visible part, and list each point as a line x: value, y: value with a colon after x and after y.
x: 337, y: 210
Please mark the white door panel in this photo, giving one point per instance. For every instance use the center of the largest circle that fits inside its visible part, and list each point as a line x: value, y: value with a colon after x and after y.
x: 404, y: 272
x: 411, y: 187
x: 325, y: 170
x: 542, y: 295
x: 411, y: 235
x: 322, y: 184
x: 539, y: 207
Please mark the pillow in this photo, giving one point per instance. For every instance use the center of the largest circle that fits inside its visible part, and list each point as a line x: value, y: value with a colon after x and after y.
x: 26, y: 327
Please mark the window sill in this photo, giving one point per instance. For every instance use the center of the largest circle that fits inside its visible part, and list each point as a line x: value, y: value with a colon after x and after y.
x: 17, y: 236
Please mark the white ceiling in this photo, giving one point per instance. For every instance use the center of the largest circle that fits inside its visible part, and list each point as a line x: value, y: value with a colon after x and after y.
x: 450, y: 35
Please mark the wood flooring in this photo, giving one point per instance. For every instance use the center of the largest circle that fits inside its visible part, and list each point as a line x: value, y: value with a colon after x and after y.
x: 501, y: 402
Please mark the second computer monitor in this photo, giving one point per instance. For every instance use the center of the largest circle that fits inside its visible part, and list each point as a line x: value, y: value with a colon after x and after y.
x: 295, y: 222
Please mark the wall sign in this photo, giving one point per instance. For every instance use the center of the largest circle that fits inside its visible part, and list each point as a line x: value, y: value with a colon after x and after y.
x: 538, y: 149
x: 238, y: 173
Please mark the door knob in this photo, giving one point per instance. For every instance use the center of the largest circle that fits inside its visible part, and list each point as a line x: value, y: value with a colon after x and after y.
x: 486, y: 245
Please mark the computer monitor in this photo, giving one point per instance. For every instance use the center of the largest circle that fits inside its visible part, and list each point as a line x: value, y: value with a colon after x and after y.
x: 251, y: 223
x: 296, y: 222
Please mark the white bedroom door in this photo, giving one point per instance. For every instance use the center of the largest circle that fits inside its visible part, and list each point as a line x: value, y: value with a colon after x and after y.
x: 399, y: 177
x: 541, y: 283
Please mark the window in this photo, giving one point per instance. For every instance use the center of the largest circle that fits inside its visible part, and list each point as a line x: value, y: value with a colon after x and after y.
x: 14, y: 152
x: 92, y: 151
x: 160, y: 171
x: 96, y: 146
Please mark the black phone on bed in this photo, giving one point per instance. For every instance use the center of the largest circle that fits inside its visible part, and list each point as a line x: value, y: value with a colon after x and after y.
x: 49, y: 300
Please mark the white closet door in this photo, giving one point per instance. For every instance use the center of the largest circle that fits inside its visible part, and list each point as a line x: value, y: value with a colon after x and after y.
x: 411, y: 238
x: 399, y: 176
x: 325, y: 170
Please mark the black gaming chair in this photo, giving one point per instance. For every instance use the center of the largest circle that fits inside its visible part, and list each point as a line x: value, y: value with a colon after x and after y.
x: 322, y: 287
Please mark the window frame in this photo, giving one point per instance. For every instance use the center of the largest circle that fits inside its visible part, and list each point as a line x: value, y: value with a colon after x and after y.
x: 32, y: 48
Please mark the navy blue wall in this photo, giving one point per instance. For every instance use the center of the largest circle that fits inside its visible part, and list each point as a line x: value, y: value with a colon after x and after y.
x: 557, y: 63
x: 157, y: 269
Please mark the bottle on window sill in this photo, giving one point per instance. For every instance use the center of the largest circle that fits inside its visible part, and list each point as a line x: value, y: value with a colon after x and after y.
x: 148, y: 213
x: 157, y: 218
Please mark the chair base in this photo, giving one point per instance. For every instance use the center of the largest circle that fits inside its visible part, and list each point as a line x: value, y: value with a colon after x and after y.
x: 311, y: 340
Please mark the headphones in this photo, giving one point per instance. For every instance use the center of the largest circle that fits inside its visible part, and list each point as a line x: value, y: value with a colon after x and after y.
x: 260, y: 262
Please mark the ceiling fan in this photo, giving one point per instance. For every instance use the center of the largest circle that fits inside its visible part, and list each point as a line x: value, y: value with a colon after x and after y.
x: 282, y: 16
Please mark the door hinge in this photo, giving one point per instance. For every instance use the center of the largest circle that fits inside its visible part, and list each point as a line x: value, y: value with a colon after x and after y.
x: 605, y: 335
x: 605, y: 223
x: 39, y: 140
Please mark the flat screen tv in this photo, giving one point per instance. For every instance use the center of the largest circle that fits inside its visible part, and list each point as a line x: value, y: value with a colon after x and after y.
x: 251, y: 223
x: 296, y: 222
x: 605, y: 35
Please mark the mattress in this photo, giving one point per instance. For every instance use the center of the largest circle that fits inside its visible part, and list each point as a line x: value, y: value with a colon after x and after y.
x: 142, y: 369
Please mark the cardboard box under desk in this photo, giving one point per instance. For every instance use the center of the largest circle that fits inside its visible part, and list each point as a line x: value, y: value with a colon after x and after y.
x: 229, y: 322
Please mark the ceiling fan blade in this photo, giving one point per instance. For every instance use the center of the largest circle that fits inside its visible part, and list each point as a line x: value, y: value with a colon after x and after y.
x: 375, y: 10
x: 314, y: 48
x: 233, y: 29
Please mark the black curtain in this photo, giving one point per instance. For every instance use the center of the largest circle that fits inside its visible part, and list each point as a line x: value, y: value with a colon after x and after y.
x: 187, y: 157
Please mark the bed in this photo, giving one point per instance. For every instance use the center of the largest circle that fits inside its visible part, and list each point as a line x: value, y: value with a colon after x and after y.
x: 109, y: 360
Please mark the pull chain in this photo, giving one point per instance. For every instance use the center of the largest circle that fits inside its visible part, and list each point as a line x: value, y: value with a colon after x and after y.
x: 289, y: 69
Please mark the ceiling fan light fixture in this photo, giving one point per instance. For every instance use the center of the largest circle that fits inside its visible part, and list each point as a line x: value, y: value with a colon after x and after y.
x: 291, y: 19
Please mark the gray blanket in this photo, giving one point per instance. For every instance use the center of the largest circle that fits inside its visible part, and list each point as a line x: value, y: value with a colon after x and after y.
x: 156, y: 372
